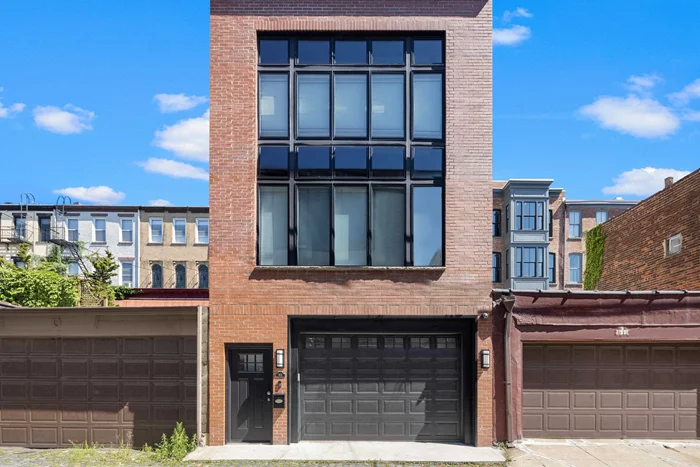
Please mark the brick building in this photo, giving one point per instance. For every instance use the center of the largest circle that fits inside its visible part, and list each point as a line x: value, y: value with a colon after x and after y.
x: 350, y: 152
x: 539, y: 235
x: 656, y: 245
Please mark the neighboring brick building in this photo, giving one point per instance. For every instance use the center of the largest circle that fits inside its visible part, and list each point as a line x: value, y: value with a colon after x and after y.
x: 539, y: 235
x: 410, y: 115
x: 656, y: 245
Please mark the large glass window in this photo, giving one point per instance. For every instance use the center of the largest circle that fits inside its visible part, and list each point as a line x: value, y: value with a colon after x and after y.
x: 529, y: 262
x: 529, y: 215
x: 496, y: 223
x: 351, y: 151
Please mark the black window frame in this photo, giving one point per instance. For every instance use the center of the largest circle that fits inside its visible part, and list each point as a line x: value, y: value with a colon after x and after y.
x: 495, y: 266
x: 408, y: 180
x: 537, y: 218
x: 496, y: 223
x: 550, y: 226
x: 537, y: 264
x: 552, y: 267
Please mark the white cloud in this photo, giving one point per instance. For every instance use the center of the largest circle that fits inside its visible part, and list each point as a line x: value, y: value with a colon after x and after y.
x: 517, y: 13
x: 641, y: 117
x: 691, y: 116
x: 643, y: 84
x: 69, y: 120
x: 177, y: 102
x: 688, y: 93
x: 174, y: 169
x: 188, y: 139
x: 94, y: 194
x: 159, y: 202
x: 642, y: 182
x: 513, y: 35
x: 6, y: 112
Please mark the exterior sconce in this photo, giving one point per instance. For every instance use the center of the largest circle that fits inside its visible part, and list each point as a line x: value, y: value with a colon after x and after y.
x: 279, y: 358
x: 485, y: 359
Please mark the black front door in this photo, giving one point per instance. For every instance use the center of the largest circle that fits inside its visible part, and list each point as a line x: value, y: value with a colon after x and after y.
x: 250, y: 394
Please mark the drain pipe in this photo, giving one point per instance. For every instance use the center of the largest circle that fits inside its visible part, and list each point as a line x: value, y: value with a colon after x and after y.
x: 508, y: 302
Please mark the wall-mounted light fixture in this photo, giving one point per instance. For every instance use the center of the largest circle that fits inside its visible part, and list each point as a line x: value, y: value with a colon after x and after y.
x: 485, y: 358
x: 279, y: 354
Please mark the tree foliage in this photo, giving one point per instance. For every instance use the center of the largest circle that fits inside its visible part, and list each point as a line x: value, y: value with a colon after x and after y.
x: 37, y: 287
x: 104, y: 268
x: 595, y: 245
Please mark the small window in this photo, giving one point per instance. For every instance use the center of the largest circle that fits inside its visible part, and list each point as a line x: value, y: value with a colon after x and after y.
x: 314, y: 52
x: 313, y: 161
x: 420, y: 342
x: 552, y: 265
x: 574, y: 224
x: 73, y: 230
x: 273, y: 161
x: 388, y: 162
x: 495, y: 267
x: 508, y: 263
x: 529, y: 215
x: 21, y: 227
x: 446, y: 342
x: 600, y: 217
x: 393, y: 342
x: 551, y: 224
x: 180, y: 276
x: 157, y: 276
x: 387, y: 52
x: 250, y: 362
x: 73, y: 269
x: 179, y: 231
x: 529, y: 262
x: 366, y: 342
x: 673, y: 244
x: 127, y: 273
x: 427, y: 52
x: 318, y: 342
x: 273, y: 107
x: 203, y: 273
x: 273, y: 52
x: 350, y: 161
x: 508, y: 218
x: 427, y: 163
x: 340, y: 343
x: 156, y: 229
x: 44, y: 229
x: 100, y: 230
x: 202, y: 230
x: 496, y: 223
x: 127, y: 226
x: 427, y: 105
x: 349, y: 52
x: 575, y: 268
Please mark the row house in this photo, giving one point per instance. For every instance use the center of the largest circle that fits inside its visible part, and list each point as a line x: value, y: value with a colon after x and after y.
x: 539, y: 235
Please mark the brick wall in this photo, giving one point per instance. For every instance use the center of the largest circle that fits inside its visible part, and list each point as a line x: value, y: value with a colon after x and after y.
x: 249, y: 304
x: 634, y: 256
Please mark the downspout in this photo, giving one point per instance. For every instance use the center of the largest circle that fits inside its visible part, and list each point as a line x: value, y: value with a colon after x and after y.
x: 508, y: 302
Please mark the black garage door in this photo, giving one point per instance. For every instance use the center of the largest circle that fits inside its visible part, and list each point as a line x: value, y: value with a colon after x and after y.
x: 386, y: 387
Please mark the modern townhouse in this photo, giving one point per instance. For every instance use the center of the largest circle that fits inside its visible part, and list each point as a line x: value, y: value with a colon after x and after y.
x: 350, y: 155
x: 174, y: 247
x: 539, y: 235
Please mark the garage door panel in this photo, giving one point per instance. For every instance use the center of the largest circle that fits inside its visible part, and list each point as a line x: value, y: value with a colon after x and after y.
x: 633, y: 390
x: 74, y: 390
x: 394, y: 393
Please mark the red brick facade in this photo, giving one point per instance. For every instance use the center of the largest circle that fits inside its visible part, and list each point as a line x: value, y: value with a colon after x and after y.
x: 635, y: 255
x: 251, y: 304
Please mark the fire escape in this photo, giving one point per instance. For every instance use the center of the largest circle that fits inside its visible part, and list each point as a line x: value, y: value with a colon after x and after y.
x: 67, y: 240
x: 19, y: 231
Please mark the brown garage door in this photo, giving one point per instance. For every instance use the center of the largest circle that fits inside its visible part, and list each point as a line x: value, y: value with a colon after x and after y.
x: 54, y: 391
x: 610, y: 391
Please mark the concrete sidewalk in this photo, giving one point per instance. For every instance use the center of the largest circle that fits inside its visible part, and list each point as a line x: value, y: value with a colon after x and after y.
x: 605, y: 453
x: 350, y: 451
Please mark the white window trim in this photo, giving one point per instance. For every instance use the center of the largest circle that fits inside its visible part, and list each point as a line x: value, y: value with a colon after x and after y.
x: 580, y: 225
x: 197, y: 221
x: 175, y: 236
x: 121, y: 272
x: 580, y: 268
x: 150, y: 230
x: 68, y: 229
x: 95, y: 229
x: 121, y: 231
x: 678, y: 237
x: 607, y: 216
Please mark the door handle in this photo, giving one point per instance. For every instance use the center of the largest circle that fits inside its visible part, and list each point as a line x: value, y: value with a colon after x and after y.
x: 268, y: 399
x: 268, y: 393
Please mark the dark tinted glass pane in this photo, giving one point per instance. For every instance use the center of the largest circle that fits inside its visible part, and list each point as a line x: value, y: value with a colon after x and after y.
x: 274, y: 51
x: 274, y: 161
x: 314, y: 226
x: 427, y: 105
x: 388, y: 226
x: 313, y: 105
x: 388, y: 53
x: 427, y: 162
x: 427, y: 52
x: 273, y: 225
x: 314, y: 52
x: 427, y: 226
x: 351, y: 161
x: 388, y: 161
x: 350, y: 52
x: 313, y: 161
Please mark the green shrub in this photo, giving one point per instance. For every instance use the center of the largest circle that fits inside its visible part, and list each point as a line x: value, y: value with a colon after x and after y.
x: 37, y: 288
x: 122, y: 292
x: 177, y: 446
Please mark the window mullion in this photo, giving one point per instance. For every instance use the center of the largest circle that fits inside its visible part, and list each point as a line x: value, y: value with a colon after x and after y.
x: 331, y: 255
x: 370, y: 221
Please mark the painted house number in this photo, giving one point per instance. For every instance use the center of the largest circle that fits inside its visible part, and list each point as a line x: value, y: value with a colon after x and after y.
x: 621, y: 332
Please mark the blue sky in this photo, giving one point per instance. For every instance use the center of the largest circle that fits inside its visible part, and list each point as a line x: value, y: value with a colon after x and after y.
x: 109, y: 104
